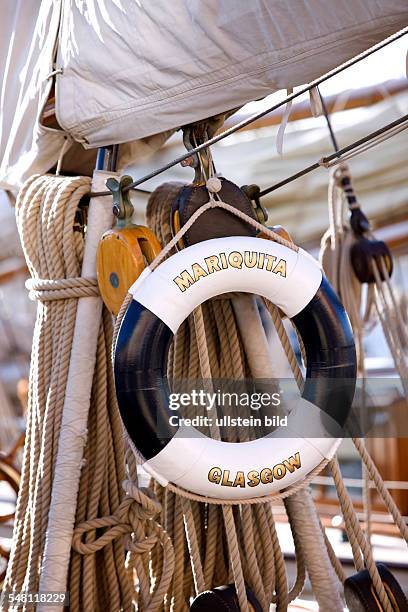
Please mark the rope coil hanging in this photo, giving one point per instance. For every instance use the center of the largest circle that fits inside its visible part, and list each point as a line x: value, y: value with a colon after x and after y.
x: 45, y: 211
x: 176, y: 544
x: 335, y: 255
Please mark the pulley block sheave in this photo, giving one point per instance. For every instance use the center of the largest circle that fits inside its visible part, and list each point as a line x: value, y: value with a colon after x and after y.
x: 124, y: 251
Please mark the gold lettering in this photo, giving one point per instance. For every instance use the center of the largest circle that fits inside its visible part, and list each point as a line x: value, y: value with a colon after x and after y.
x: 279, y: 471
x: 280, y: 268
x: 235, y: 259
x: 261, y: 260
x: 217, y: 475
x: 270, y: 262
x: 184, y: 280
x: 225, y: 481
x: 239, y: 480
x: 253, y: 478
x: 223, y: 259
x: 250, y: 259
x: 214, y: 475
x: 266, y: 475
x: 198, y: 271
x: 293, y: 463
x: 212, y: 264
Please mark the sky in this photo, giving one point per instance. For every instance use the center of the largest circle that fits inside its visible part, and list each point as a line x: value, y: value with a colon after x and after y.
x: 388, y: 63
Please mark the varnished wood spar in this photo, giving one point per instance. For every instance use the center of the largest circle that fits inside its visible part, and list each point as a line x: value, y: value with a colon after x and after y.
x: 278, y: 229
x: 11, y: 474
x: 122, y: 256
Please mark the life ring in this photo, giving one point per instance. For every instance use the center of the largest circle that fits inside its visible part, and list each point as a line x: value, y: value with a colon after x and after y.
x: 162, y: 299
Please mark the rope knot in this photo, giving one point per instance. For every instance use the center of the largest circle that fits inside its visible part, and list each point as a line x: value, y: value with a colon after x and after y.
x: 138, y: 505
x: 144, y: 504
x: 342, y: 171
x: 213, y: 184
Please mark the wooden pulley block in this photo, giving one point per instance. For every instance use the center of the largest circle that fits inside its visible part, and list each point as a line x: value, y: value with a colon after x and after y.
x: 360, y: 594
x: 364, y: 253
x: 223, y: 599
x: 123, y: 254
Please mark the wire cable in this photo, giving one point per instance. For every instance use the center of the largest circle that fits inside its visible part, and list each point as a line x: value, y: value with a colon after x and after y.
x: 337, y: 156
x: 256, y: 116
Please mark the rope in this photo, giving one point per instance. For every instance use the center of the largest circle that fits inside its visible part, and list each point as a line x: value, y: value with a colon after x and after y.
x: 211, y: 341
x: 335, y: 257
x: 175, y: 543
x: 62, y: 289
x: 45, y: 212
x: 311, y: 542
x: 98, y: 579
x: 336, y: 260
x: 360, y: 547
x: 377, y: 139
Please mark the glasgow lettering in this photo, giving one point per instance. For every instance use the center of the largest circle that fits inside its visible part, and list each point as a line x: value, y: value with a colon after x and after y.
x: 253, y: 478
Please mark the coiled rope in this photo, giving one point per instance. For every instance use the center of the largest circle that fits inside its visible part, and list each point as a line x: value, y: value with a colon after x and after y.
x: 336, y: 260
x: 46, y: 212
x: 176, y: 543
x: 335, y: 256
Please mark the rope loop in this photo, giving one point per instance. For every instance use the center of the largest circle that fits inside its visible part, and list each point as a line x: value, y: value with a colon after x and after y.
x: 139, y: 505
x: 143, y: 546
x: 45, y: 290
x: 88, y: 527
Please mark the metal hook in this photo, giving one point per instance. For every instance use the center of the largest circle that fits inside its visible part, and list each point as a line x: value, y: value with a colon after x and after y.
x: 122, y: 206
x: 199, y: 161
x: 252, y: 192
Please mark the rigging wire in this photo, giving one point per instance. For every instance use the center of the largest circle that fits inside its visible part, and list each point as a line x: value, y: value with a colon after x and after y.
x: 402, y: 123
x: 329, y: 123
x: 259, y: 115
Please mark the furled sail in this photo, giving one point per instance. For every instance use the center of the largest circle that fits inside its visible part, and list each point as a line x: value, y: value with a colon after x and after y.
x: 128, y: 70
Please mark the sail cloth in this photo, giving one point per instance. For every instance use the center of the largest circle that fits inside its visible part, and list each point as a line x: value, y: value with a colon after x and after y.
x: 131, y: 69
x: 28, y: 34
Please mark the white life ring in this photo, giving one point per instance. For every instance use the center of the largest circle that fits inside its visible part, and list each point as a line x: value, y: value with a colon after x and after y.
x: 162, y: 299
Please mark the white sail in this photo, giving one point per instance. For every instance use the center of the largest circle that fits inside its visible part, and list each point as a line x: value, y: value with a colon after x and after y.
x: 127, y: 69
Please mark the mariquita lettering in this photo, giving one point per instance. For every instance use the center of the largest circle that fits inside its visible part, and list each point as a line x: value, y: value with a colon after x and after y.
x: 223, y: 261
